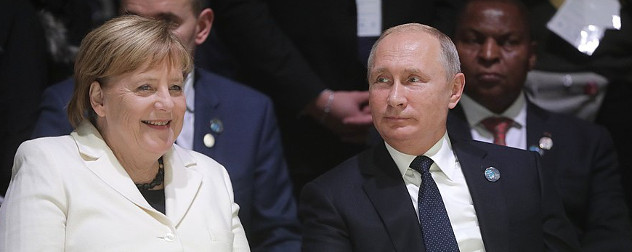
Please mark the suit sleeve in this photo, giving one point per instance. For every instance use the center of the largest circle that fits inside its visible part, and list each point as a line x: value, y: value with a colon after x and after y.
x: 240, y: 242
x: 274, y: 225
x: 33, y: 215
x: 248, y: 30
x: 323, y: 227
x: 53, y: 119
x: 607, y: 224
x: 558, y: 231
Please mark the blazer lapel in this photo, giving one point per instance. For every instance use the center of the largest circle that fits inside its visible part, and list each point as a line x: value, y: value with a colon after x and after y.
x: 206, y: 103
x: 487, y: 196
x: 536, y: 127
x: 182, y: 183
x: 101, y: 161
x: 385, y: 188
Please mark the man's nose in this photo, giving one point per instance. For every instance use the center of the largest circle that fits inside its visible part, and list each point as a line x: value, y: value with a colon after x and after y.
x: 396, y: 96
x: 490, y: 50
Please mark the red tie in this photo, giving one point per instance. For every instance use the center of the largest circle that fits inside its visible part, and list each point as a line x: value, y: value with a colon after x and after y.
x: 499, y: 126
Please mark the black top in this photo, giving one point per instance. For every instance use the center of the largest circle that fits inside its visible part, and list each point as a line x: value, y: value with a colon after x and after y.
x: 156, y: 199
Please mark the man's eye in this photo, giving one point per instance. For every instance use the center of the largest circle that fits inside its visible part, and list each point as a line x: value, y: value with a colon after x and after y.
x: 414, y: 79
x: 382, y: 80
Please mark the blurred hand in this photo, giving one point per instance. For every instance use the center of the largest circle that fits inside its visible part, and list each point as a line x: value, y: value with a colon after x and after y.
x: 349, y: 116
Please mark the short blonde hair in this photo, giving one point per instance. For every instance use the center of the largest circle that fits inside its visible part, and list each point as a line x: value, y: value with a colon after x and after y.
x: 449, y: 55
x: 122, y: 45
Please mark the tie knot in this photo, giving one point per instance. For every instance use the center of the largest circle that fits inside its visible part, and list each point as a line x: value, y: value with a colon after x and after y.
x: 421, y: 164
x: 497, y: 125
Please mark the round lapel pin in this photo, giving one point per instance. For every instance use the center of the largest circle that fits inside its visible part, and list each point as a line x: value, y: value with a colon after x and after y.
x: 492, y: 174
x: 216, y: 125
x: 546, y: 143
x: 209, y: 140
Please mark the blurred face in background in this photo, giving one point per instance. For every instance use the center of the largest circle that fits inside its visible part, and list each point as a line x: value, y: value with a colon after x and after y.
x: 496, y: 52
x: 191, y: 28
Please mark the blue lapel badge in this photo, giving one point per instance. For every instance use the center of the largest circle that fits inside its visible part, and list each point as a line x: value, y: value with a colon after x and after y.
x: 216, y: 125
x: 492, y: 174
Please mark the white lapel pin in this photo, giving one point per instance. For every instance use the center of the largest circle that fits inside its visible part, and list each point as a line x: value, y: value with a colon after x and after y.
x: 209, y: 140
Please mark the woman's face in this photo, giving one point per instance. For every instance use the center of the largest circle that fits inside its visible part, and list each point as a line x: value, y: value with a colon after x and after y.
x: 140, y: 112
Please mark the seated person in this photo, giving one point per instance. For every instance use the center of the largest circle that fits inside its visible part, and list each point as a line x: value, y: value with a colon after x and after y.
x: 421, y: 190
x: 225, y: 120
x: 496, y: 51
x: 118, y: 182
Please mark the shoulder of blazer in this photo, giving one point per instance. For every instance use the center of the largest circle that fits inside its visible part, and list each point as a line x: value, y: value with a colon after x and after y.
x: 224, y: 88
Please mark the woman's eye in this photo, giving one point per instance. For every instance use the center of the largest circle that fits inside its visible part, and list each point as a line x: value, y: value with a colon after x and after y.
x: 175, y: 88
x: 144, y: 88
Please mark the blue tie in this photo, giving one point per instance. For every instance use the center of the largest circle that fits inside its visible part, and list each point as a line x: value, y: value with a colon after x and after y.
x: 435, y: 223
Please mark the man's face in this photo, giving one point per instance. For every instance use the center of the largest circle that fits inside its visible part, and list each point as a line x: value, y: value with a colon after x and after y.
x: 409, y: 93
x: 495, y: 51
x: 180, y: 12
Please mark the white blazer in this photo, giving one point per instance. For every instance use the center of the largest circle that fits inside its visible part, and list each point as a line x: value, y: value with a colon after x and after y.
x: 70, y: 193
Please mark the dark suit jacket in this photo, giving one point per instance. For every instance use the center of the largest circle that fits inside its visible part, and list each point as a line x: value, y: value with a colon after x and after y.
x: 23, y: 77
x: 586, y: 175
x: 249, y: 147
x: 363, y: 204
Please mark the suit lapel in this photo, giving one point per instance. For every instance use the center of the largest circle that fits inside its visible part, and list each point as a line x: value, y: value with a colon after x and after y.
x: 101, y: 161
x: 458, y: 127
x: 488, y: 198
x: 536, y: 125
x: 206, y: 105
x: 182, y: 181
x: 385, y: 188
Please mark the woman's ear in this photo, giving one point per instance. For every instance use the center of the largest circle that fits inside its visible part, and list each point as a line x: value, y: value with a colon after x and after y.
x: 96, y: 98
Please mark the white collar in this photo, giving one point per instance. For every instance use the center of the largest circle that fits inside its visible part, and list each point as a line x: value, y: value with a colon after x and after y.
x: 189, y: 91
x: 476, y: 112
x: 441, y: 153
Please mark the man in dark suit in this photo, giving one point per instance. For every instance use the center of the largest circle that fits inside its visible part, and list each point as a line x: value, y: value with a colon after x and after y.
x: 496, y: 51
x: 231, y: 123
x: 336, y: 50
x: 419, y: 190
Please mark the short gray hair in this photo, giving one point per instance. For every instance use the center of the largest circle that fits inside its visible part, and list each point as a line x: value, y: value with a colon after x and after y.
x: 449, y: 54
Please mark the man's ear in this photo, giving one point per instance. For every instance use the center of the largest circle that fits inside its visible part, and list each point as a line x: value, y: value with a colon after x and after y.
x: 203, y: 26
x: 96, y: 98
x: 458, y: 83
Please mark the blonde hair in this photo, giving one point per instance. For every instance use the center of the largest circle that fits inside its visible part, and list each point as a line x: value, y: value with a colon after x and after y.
x: 122, y: 45
x: 449, y: 55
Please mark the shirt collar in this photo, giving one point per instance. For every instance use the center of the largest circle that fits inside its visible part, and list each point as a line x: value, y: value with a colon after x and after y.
x: 189, y: 91
x: 441, y: 153
x: 476, y: 112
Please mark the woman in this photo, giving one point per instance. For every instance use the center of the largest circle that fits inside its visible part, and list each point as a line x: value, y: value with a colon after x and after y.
x: 118, y: 182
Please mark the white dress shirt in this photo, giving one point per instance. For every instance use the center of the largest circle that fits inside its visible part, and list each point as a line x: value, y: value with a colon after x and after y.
x: 185, y: 139
x: 446, y: 171
x: 516, y: 136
